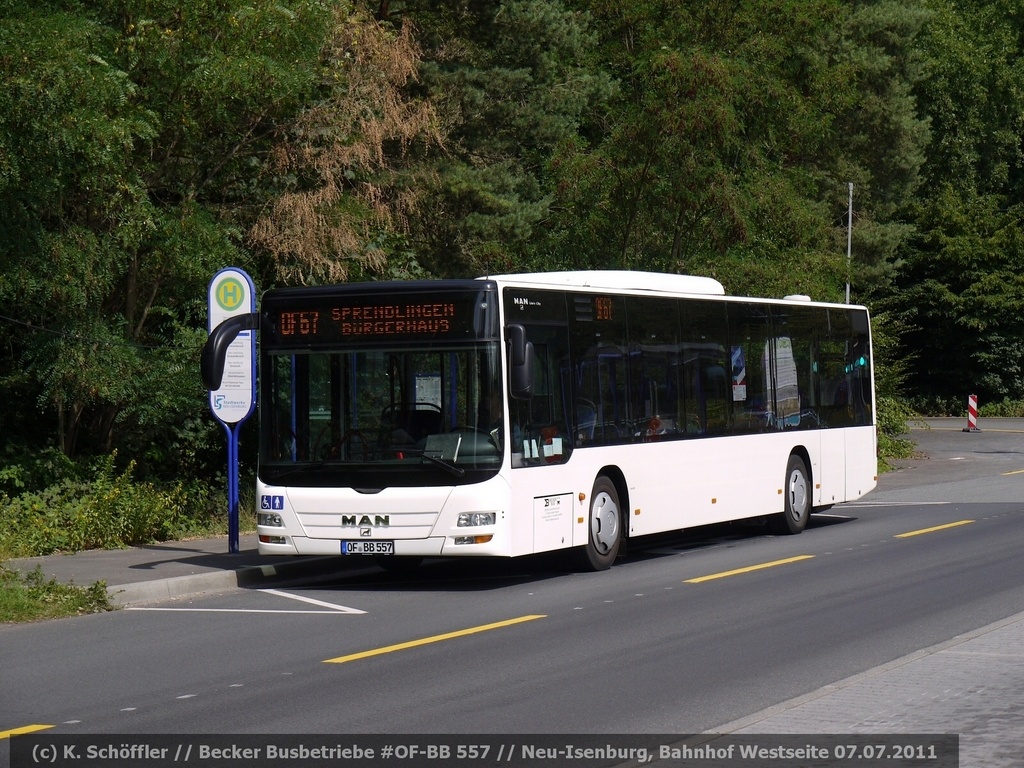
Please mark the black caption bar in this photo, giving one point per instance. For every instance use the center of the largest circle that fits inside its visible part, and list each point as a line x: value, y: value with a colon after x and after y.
x: 479, y: 751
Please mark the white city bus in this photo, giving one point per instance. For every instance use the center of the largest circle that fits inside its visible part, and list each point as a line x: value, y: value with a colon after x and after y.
x: 517, y: 414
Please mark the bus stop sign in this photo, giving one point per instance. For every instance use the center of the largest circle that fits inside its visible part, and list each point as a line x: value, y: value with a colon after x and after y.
x: 232, y: 293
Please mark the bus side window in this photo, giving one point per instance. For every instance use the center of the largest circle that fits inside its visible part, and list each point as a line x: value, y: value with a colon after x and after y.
x: 802, y: 390
x: 600, y: 374
x: 753, y: 353
x: 706, y: 378
x: 539, y: 428
x: 654, y: 351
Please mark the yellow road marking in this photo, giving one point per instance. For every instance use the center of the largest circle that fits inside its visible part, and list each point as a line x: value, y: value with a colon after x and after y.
x: 434, y: 639
x: 908, y: 534
x: 748, y: 569
x: 1015, y: 472
x: 23, y: 729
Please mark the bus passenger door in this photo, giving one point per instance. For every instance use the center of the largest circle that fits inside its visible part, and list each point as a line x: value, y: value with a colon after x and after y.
x: 831, y: 476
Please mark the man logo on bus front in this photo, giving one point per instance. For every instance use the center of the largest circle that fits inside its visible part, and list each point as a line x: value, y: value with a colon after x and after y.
x: 365, y: 532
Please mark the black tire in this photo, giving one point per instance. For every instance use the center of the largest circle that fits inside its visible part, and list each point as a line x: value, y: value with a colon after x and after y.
x: 798, y: 499
x: 604, y: 527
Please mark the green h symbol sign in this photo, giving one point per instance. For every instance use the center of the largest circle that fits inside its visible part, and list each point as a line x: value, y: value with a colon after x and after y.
x: 230, y: 294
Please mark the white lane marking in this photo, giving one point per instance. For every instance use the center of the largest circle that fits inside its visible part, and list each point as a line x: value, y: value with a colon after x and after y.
x: 312, y: 601
x: 892, y: 504
x: 236, y: 610
x: 335, y: 609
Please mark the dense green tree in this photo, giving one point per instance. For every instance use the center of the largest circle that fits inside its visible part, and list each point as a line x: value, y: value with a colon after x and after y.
x: 962, y: 299
x: 130, y: 133
x: 973, y: 98
x: 736, y: 131
x: 960, y: 291
x: 881, y: 136
x: 511, y: 81
x: 74, y: 206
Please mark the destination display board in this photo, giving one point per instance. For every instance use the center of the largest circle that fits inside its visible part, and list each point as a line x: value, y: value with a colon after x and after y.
x: 380, y: 318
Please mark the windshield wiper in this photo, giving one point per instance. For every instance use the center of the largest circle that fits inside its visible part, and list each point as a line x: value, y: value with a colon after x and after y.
x: 450, y: 468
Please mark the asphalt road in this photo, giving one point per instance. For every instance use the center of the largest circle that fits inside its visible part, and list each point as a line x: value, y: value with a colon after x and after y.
x: 691, y: 631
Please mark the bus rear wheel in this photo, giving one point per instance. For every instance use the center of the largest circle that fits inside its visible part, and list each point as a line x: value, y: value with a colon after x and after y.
x: 604, y: 527
x: 797, y: 492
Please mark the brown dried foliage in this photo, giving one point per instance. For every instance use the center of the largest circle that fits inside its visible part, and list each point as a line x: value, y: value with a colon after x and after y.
x: 344, y: 153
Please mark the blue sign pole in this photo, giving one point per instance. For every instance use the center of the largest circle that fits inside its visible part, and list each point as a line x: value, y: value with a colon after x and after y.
x: 233, y: 533
x: 232, y: 293
x: 233, y: 431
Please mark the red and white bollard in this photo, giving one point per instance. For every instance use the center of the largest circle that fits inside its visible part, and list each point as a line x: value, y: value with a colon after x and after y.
x: 972, y: 414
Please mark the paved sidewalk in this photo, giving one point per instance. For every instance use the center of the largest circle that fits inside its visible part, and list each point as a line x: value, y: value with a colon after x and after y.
x: 972, y: 685
x: 176, y: 568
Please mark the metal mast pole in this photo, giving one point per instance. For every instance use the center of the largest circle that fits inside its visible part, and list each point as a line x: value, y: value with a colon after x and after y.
x: 849, y: 241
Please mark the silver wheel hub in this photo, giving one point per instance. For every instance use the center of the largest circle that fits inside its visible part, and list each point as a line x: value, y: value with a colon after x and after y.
x: 604, y: 522
x: 797, y: 494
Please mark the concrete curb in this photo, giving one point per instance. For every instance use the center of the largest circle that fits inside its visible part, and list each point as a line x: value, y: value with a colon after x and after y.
x: 246, y: 577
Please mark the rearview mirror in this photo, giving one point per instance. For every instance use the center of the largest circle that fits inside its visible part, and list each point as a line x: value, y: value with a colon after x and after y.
x: 520, y: 363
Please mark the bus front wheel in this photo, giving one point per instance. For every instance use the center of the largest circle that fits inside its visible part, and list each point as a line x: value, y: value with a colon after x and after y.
x: 797, y: 491
x: 604, y: 527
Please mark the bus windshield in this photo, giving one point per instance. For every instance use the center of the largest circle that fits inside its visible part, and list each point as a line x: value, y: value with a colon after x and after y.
x: 387, y: 416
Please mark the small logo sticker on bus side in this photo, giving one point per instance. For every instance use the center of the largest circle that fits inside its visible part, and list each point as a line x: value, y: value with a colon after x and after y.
x: 271, y: 502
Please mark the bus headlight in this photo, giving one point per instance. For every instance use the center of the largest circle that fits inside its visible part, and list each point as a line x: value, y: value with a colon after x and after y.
x: 474, y: 519
x: 269, y: 518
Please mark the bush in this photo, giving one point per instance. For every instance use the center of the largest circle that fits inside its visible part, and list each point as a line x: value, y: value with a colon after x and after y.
x: 107, y: 512
x: 938, y: 406
x: 1006, y: 409
x: 893, y: 417
x: 29, y: 597
x: 27, y: 469
x: 957, y: 407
